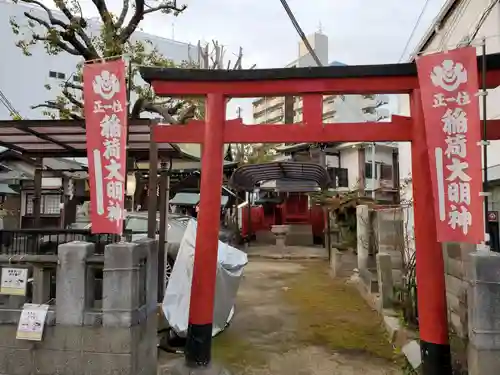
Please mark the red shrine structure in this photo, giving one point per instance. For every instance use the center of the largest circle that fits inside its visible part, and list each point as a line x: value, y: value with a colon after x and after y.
x: 310, y: 83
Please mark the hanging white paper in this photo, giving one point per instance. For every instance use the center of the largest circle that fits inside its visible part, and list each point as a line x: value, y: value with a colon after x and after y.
x: 31, y: 322
x: 14, y: 281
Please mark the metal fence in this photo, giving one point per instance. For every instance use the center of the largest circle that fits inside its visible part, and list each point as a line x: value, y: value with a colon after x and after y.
x: 46, y: 241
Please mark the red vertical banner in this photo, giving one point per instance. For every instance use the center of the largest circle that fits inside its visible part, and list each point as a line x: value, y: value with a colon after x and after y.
x: 105, y: 105
x: 449, y: 87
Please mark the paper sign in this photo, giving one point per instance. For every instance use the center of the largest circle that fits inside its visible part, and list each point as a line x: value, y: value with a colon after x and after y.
x: 14, y: 281
x: 31, y: 322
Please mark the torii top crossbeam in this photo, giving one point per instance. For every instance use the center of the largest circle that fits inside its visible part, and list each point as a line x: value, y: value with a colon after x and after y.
x: 311, y: 84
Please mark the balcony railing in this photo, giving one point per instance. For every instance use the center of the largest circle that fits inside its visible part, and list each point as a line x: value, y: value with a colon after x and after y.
x: 46, y: 241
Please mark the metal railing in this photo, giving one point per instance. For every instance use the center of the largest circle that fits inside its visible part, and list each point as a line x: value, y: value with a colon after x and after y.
x: 46, y: 241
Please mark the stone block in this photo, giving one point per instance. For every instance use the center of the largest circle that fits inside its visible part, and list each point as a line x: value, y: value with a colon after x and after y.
x: 484, y: 313
x: 63, y: 338
x: 114, y: 340
x: 121, y: 283
x: 363, y: 235
x: 392, y: 326
x: 453, y: 250
x: 483, y: 362
x: 385, y: 282
x: 16, y: 361
x: 413, y: 354
x: 455, y: 268
x: 71, y: 282
x: 66, y: 362
x: 108, y: 364
x: 8, y: 338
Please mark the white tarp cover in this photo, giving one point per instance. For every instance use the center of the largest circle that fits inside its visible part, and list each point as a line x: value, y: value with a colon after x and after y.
x: 231, y: 262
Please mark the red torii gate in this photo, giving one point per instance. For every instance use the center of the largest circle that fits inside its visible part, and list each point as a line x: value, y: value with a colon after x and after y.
x: 310, y: 83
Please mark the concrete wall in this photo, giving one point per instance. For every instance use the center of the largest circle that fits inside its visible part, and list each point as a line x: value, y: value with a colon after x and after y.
x: 484, y: 314
x: 388, y: 236
x: 349, y: 159
x: 456, y: 268
x: 81, y: 336
x: 380, y: 231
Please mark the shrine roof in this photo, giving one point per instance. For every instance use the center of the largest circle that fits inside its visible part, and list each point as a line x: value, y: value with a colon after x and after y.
x: 150, y: 74
x: 247, y: 177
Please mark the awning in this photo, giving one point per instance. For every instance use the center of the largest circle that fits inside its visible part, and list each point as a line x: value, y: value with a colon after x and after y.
x: 5, y: 189
x: 248, y: 177
x: 185, y: 199
x: 192, y: 199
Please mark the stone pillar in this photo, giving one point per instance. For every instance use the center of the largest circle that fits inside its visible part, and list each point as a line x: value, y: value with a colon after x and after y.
x: 280, y: 242
x: 147, y: 347
x: 385, y: 281
x: 123, y: 290
x: 484, y: 314
x: 151, y: 248
x: 71, y: 287
x: 41, y: 284
x: 363, y: 236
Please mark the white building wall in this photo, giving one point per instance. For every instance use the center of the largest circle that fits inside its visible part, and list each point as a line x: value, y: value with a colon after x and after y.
x: 22, y: 78
x: 459, y: 26
x: 335, y: 109
x: 349, y: 159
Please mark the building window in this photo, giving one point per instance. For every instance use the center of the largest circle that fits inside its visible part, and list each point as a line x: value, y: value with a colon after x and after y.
x: 368, y: 171
x: 58, y: 75
x: 385, y: 172
x: 50, y: 204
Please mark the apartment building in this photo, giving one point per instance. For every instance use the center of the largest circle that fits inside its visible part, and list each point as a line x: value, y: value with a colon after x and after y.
x: 349, y: 108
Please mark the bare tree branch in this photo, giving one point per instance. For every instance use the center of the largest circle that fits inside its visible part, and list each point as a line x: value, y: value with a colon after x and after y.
x: 59, y: 107
x: 56, y: 36
x: 134, y: 21
x: 71, y: 98
x: 123, y: 14
x: 170, y: 6
x: 104, y: 12
x: 54, y: 21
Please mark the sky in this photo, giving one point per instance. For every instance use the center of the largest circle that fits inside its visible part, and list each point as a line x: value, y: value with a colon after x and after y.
x: 359, y: 31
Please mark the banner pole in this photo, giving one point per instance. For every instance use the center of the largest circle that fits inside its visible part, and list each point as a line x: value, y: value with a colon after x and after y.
x: 485, y: 143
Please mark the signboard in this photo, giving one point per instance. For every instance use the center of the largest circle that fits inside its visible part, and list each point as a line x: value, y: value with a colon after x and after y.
x: 31, y: 322
x: 449, y: 87
x: 14, y: 281
x: 106, y: 122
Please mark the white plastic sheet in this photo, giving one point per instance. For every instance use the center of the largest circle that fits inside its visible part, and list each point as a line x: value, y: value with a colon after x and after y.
x: 230, y: 265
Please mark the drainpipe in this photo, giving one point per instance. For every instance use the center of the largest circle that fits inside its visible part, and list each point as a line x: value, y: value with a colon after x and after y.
x: 373, y: 170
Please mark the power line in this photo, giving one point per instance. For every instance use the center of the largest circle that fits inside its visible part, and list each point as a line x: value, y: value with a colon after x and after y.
x: 311, y: 50
x: 7, y: 104
x: 419, y: 19
x: 301, y: 32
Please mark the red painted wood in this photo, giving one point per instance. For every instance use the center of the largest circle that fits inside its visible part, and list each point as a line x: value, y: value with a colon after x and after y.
x: 252, y: 89
x: 345, y: 86
x: 207, y: 235
x: 399, y: 129
x: 432, y: 312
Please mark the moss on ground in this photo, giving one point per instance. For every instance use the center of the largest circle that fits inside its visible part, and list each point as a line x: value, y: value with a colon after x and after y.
x: 236, y: 352
x: 332, y: 314
x: 329, y: 314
